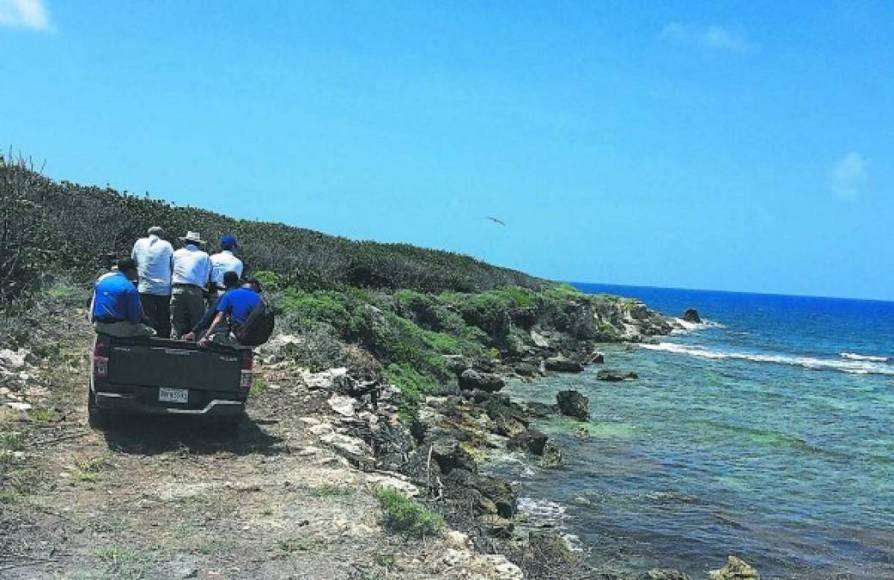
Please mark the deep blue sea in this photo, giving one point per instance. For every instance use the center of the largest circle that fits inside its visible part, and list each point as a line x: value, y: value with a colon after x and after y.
x: 767, y: 432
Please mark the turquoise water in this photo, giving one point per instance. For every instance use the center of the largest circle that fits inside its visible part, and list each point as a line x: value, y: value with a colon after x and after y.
x: 765, y: 433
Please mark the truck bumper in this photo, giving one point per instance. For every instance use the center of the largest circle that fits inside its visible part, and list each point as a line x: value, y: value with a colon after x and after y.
x: 130, y: 403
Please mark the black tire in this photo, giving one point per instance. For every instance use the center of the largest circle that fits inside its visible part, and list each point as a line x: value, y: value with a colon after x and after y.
x: 96, y: 417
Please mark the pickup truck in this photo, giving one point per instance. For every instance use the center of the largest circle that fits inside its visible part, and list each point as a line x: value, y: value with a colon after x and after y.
x: 173, y: 377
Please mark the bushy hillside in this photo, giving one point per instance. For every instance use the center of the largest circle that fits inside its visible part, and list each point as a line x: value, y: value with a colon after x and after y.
x: 49, y: 226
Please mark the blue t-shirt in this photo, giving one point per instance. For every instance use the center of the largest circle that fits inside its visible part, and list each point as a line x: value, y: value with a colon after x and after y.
x: 116, y: 299
x: 238, y: 303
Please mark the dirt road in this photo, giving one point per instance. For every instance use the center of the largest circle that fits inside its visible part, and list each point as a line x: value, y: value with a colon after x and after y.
x: 173, y: 498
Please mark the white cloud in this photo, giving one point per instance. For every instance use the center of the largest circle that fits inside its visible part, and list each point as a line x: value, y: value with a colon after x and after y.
x: 849, y: 175
x: 25, y: 14
x: 712, y: 37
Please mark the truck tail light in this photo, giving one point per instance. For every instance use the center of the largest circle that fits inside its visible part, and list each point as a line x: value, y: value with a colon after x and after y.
x: 101, y: 359
x: 248, y: 361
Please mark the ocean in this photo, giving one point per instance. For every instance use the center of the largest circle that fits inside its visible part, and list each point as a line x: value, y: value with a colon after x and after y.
x: 765, y: 432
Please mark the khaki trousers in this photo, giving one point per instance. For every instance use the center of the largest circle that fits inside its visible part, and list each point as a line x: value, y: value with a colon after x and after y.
x: 187, y: 308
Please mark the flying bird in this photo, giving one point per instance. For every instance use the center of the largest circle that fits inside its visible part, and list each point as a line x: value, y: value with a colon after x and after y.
x: 496, y: 220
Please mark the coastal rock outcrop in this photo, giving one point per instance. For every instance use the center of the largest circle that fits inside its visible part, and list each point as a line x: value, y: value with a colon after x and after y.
x: 615, y: 376
x: 531, y: 441
x: 663, y: 574
x: 573, y: 404
x: 562, y: 364
x: 691, y: 315
x: 507, y: 420
x: 736, y: 569
x: 471, y: 379
x: 552, y: 456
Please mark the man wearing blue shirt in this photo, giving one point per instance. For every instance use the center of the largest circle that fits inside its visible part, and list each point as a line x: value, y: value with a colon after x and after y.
x: 237, y: 303
x: 116, y: 308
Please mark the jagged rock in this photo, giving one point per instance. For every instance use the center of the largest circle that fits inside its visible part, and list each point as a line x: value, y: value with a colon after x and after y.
x: 540, y: 410
x: 562, y: 364
x: 342, y: 405
x: 471, y: 379
x: 596, y: 358
x: 615, y: 376
x: 486, y: 505
x: 539, y: 340
x: 500, y: 568
x: 526, y: 369
x: 506, y: 420
x: 552, y: 456
x: 691, y: 315
x: 663, y: 574
x: 457, y: 363
x: 449, y: 453
x: 573, y: 404
x: 496, y: 526
x: 551, y: 546
x: 735, y: 569
x: 14, y: 359
x: 351, y: 447
x: 531, y: 441
x: 498, y: 491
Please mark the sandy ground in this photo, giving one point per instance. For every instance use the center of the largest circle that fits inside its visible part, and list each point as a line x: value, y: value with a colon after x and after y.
x: 178, y: 498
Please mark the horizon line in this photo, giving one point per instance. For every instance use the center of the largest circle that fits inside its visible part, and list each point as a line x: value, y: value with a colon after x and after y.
x: 746, y: 292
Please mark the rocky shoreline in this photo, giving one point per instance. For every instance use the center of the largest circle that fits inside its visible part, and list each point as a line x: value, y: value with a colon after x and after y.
x: 438, y: 455
x: 454, y: 431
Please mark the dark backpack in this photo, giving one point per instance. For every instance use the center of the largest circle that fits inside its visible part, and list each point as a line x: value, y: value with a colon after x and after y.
x: 258, y: 326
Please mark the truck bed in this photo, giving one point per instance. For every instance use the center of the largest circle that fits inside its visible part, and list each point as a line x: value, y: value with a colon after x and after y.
x: 174, y: 363
x: 169, y: 377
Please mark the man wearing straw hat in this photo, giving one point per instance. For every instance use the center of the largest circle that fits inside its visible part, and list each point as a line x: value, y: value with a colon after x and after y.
x: 191, y: 271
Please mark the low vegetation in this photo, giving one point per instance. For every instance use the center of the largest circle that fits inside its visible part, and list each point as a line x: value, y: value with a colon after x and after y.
x: 48, y: 227
x: 390, y: 312
x: 404, y: 515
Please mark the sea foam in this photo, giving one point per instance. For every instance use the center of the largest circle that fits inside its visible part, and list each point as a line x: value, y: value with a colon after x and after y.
x: 863, y: 357
x: 685, y: 327
x: 851, y: 366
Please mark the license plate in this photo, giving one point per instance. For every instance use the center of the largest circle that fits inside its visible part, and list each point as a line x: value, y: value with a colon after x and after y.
x: 173, y: 395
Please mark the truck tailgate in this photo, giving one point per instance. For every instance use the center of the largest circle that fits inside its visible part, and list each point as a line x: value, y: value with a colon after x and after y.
x: 174, y: 364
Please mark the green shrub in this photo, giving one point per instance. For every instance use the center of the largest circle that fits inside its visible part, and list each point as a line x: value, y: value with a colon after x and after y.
x: 405, y: 515
x: 413, y: 387
x: 259, y: 387
x: 43, y: 415
x: 11, y: 441
x: 270, y: 281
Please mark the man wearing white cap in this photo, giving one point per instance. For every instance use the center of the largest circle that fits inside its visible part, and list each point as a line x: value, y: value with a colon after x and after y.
x: 192, y: 269
x: 153, y: 256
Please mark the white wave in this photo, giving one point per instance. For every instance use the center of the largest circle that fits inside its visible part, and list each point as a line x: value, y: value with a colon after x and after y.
x: 542, y: 508
x: 858, y: 367
x: 685, y: 327
x: 865, y: 357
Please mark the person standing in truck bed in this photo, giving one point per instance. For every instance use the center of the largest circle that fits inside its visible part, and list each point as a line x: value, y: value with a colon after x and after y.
x: 116, y: 308
x: 222, y: 262
x: 191, y: 271
x: 153, y: 256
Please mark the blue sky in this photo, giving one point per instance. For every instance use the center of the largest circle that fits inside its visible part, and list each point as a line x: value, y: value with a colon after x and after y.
x: 739, y: 146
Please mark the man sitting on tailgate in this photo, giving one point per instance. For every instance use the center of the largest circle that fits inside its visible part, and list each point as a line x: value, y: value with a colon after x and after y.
x: 232, y: 311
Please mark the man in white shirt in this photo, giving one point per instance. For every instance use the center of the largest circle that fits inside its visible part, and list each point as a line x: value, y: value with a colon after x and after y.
x: 224, y: 261
x: 191, y: 272
x: 153, y: 256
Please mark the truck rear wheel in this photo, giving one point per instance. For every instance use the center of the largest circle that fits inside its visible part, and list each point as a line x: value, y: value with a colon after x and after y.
x: 229, y: 424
